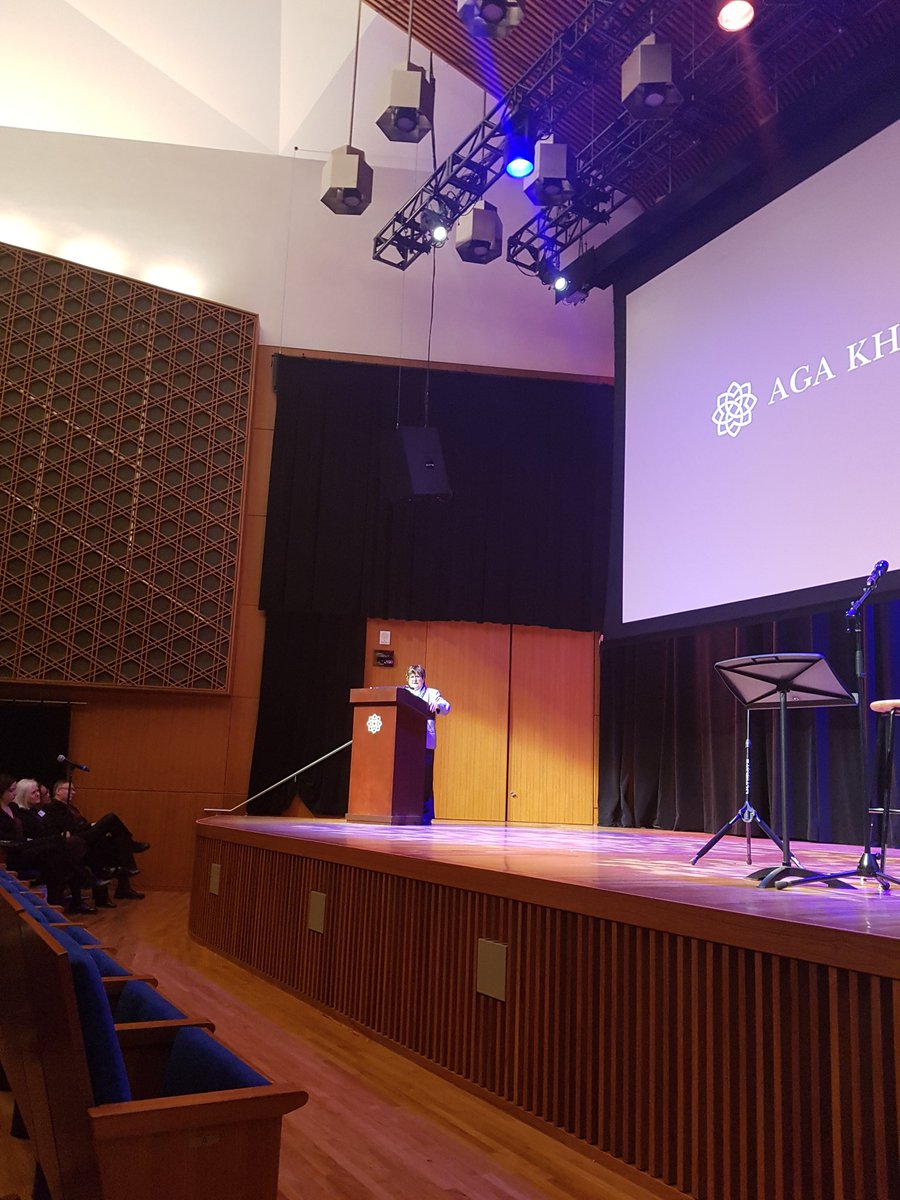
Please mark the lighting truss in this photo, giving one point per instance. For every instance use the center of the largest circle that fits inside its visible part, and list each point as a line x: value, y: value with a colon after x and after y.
x: 631, y: 156
x: 598, y: 40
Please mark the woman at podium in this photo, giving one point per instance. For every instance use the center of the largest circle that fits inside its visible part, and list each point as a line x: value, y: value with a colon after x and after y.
x: 438, y: 706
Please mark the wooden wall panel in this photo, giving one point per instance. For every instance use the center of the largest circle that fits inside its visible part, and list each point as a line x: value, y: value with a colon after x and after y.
x: 409, y: 642
x: 535, y: 762
x: 552, y: 730
x: 470, y: 664
x: 159, y: 759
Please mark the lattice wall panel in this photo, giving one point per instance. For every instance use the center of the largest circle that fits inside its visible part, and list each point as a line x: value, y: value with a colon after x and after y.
x: 123, y: 427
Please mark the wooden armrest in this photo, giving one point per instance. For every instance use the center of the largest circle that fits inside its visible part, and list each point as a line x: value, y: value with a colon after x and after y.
x: 145, y: 1033
x: 137, y: 1118
x: 115, y: 983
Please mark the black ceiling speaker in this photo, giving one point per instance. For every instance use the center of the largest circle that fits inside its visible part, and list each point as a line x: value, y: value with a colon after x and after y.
x: 413, y: 465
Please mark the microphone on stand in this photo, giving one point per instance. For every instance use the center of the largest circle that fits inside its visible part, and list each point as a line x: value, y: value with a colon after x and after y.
x: 61, y: 758
x: 877, y: 571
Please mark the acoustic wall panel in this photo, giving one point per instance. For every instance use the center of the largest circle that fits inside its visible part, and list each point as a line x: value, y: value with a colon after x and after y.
x: 123, y: 426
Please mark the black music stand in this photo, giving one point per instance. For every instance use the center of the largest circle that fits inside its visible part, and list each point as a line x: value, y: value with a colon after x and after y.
x: 784, y: 681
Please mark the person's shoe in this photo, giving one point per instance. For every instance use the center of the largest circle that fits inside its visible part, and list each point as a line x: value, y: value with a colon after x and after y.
x: 128, y: 893
x: 101, y: 897
x: 139, y: 847
x: 129, y: 871
x: 91, y: 879
x: 80, y: 909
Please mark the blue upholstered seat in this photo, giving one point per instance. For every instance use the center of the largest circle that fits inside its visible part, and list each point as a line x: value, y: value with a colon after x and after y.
x: 199, y: 1063
x: 138, y: 1001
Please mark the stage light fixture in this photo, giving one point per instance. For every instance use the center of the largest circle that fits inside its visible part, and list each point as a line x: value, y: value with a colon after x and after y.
x: 520, y: 143
x: 347, y: 177
x: 490, y: 18
x: 554, y: 174
x: 650, y: 86
x: 436, y: 223
x: 347, y: 180
x: 479, y: 234
x: 549, y: 273
x: 734, y: 15
x: 409, y: 115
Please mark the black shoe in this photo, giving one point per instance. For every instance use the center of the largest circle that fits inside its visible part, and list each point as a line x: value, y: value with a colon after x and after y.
x: 101, y: 898
x: 128, y: 893
x: 94, y: 881
x: 139, y: 847
x: 80, y: 909
x: 127, y: 871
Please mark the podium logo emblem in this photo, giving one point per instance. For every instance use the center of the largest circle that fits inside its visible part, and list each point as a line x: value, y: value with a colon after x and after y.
x: 734, y: 409
x: 374, y: 723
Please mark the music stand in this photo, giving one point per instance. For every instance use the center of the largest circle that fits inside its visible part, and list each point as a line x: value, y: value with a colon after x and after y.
x: 746, y: 813
x: 783, y: 681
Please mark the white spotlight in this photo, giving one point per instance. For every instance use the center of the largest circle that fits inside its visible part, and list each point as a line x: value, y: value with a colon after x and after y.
x: 734, y: 15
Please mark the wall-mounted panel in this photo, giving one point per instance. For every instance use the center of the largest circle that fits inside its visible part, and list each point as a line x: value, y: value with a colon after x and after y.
x: 123, y: 428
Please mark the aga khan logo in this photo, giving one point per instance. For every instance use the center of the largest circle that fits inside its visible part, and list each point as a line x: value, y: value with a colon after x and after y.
x: 734, y: 409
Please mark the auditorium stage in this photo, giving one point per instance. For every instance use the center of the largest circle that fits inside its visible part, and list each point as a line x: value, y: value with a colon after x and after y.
x: 638, y: 875
x: 722, y: 1039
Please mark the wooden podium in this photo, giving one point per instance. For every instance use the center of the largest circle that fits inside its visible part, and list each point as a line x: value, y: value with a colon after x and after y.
x: 387, y: 763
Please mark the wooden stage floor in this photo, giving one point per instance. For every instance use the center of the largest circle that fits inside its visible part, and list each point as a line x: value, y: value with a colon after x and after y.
x: 640, y: 876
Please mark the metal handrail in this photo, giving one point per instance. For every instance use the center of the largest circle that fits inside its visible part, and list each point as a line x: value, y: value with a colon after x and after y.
x: 273, y: 786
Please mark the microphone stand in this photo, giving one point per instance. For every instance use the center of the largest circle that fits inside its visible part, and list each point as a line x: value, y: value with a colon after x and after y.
x: 870, y: 864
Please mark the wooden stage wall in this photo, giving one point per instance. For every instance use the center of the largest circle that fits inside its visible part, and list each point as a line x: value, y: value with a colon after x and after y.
x: 726, y: 1071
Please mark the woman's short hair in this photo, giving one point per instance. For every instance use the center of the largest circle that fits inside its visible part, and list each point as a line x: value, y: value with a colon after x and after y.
x: 24, y: 788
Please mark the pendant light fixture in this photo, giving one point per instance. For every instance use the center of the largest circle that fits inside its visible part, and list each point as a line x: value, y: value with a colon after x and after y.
x: 347, y: 178
x: 409, y: 115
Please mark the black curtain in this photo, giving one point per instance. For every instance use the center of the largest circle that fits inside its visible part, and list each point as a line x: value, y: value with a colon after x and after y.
x: 310, y: 663
x: 672, y: 735
x: 524, y: 539
x: 34, y: 734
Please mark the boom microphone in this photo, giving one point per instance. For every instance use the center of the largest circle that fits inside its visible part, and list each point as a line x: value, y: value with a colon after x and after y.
x: 61, y: 758
x: 877, y: 571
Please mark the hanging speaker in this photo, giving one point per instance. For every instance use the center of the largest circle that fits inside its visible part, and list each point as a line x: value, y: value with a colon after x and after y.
x: 413, y: 465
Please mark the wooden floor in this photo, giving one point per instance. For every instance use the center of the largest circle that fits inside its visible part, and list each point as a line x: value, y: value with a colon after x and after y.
x: 377, y: 1125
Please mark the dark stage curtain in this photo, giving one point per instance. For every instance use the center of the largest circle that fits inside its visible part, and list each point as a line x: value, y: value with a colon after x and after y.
x: 523, y: 541
x: 310, y: 663
x: 672, y: 735
x: 34, y: 734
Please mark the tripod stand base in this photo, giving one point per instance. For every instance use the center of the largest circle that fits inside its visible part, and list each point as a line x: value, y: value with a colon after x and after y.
x: 749, y: 816
x: 883, y: 881
x: 781, y: 877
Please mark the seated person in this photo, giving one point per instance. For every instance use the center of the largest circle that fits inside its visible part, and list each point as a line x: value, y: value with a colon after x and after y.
x: 110, y: 846
x: 30, y: 846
